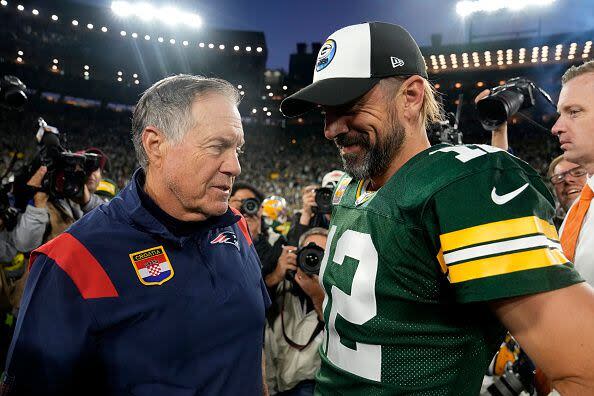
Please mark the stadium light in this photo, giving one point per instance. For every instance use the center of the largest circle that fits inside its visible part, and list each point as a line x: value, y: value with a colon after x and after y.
x: 54, y: 67
x: 120, y: 79
x: 86, y: 74
x: 285, y: 87
x: 147, y: 37
x: 135, y: 75
x: 172, y: 41
x: 211, y: 45
x: 123, y: 33
x: 239, y: 86
x: 4, y: 3
x: 134, y: 35
x: 74, y: 22
x: 120, y: 73
x: 248, y: 49
x: 242, y: 93
x: 160, y: 39
x: 264, y: 108
x: 185, y: 43
x: 268, y: 87
x: 20, y: 7
x: 468, y: 7
x: 259, y: 49
x: 35, y: 12
x: 90, y: 26
x: 55, y: 61
x: 268, y: 114
x: 20, y: 53
x: 136, y: 82
x: 201, y: 45
x: 254, y: 111
x: 236, y: 48
x: 19, y: 59
x: 222, y: 46
x: 86, y: 67
x: 54, y: 17
x: 103, y: 29
x: 146, y: 12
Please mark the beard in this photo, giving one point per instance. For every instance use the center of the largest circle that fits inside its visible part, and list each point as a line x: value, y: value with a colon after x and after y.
x: 371, y: 160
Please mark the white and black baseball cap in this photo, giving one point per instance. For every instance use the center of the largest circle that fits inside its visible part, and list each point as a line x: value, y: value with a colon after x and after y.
x: 352, y: 61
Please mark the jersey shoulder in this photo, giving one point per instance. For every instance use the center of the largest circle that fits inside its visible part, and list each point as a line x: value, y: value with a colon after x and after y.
x: 443, y: 165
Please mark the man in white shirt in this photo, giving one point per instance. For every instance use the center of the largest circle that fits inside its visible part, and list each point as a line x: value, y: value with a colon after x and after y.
x: 575, y: 130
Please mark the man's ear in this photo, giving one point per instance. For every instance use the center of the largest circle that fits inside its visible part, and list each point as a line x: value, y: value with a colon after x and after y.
x: 153, y: 141
x: 413, y: 92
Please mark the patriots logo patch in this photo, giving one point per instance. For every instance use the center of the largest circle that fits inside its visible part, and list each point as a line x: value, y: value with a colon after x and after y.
x: 226, y: 237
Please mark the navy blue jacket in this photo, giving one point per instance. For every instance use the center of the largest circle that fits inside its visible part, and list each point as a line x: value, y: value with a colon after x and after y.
x: 118, y: 305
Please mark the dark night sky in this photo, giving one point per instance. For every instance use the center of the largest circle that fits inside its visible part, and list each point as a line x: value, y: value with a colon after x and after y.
x: 287, y: 22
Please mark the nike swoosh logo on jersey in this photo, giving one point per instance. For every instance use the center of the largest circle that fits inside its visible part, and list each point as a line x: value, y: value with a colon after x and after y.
x: 505, y: 198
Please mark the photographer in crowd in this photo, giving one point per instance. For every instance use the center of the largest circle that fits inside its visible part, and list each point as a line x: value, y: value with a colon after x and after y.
x: 568, y: 180
x: 316, y: 207
x: 247, y: 199
x: 294, y: 336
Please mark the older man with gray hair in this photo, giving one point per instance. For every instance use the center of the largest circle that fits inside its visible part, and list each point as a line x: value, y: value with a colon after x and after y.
x: 158, y: 292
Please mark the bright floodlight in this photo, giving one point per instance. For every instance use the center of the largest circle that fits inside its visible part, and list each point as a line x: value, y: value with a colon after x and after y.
x: 54, y: 17
x: 35, y: 12
x: 168, y: 14
x: 469, y: 7
x: 4, y: 3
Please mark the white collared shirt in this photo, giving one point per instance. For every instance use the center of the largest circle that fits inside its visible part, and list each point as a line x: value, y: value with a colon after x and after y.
x: 584, y: 251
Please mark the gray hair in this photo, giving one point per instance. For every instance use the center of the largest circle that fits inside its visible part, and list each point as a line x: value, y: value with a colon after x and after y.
x: 310, y: 232
x: 167, y: 105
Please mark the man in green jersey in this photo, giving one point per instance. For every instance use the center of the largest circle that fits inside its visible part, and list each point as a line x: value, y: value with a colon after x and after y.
x: 432, y: 251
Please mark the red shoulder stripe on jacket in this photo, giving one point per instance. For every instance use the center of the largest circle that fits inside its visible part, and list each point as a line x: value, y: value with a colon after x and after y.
x: 85, y: 271
x: 243, y: 226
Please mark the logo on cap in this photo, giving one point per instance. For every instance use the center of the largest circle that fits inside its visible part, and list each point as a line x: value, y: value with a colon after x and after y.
x: 396, y: 62
x: 326, y: 54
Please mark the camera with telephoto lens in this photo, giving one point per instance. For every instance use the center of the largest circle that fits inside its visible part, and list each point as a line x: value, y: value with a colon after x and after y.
x: 323, y: 200
x: 67, y: 172
x: 309, y: 259
x: 505, y: 101
x: 12, y: 93
x: 250, y: 206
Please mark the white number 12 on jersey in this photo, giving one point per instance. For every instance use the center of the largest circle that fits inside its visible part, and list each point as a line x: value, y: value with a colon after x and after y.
x: 358, y: 308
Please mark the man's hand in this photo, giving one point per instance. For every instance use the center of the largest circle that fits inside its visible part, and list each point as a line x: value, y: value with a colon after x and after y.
x: 287, y: 261
x: 310, y: 284
x: 40, y: 198
x: 309, y: 202
x: 499, y: 134
x: 85, y: 198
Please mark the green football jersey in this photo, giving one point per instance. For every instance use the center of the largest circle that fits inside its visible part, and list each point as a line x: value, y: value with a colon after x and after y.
x: 408, y: 271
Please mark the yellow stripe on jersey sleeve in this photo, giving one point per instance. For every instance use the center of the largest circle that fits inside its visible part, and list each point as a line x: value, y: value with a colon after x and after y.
x: 505, y: 264
x: 498, y: 230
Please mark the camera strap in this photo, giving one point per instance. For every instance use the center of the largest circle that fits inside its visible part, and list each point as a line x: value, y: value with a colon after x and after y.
x: 299, y: 347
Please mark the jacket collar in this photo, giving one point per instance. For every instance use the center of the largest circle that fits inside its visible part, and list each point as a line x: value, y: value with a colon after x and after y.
x: 142, y: 219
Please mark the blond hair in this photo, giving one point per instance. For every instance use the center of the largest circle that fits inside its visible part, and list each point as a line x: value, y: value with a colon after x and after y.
x: 553, y: 165
x: 432, y: 109
x: 575, y: 71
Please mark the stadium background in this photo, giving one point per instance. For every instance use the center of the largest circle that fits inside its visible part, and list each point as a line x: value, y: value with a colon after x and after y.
x: 85, y: 68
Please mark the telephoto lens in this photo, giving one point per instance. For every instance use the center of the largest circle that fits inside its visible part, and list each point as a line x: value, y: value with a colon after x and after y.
x: 250, y: 206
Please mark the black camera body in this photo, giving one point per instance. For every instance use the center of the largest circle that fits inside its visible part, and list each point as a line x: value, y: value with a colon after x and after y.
x: 323, y: 200
x: 67, y: 172
x: 504, y: 101
x: 12, y: 93
x: 309, y: 260
x: 250, y: 206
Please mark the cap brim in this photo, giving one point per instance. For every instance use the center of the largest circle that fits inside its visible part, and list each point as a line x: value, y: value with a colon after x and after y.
x: 327, y: 92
